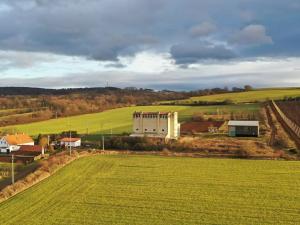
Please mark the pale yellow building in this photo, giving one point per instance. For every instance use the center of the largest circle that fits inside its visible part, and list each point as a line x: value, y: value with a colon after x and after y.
x: 156, y: 124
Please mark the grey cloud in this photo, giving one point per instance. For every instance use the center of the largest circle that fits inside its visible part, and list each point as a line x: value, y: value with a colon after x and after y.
x: 247, y: 15
x: 102, y: 30
x: 194, y: 52
x: 203, y: 29
x: 106, y: 29
x: 115, y: 65
x: 252, y: 34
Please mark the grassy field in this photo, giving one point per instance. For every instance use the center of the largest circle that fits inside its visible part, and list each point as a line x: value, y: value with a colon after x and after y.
x: 118, y: 120
x: 250, y: 96
x: 161, y: 190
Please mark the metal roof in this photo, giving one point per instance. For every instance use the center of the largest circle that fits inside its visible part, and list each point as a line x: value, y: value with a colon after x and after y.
x: 243, y: 123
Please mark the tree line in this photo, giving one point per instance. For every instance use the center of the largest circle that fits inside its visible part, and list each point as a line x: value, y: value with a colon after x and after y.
x: 43, y: 104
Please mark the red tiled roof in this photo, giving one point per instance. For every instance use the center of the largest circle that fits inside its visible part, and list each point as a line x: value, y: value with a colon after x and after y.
x: 25, y: 153
x: 30, y: 148
x: 70, y: 139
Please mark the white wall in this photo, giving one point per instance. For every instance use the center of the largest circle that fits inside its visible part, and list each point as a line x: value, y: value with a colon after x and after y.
x: 155, y: 125
x: 73, y: 144
x: 3, y: 145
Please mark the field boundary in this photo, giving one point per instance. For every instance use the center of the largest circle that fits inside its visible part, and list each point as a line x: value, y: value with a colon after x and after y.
x: 292, y: 128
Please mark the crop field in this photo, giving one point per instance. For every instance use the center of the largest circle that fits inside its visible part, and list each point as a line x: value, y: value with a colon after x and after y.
x: 161, y: 190
x: 250, y: 96
x: 119, y: 120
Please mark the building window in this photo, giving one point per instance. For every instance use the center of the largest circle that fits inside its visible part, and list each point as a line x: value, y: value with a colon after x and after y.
x: 154, y: 129
x: 145, y: 129
x: 137, y: 129
x: 163, y: 129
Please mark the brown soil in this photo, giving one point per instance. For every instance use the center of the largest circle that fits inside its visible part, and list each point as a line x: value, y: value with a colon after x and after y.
x: 199, y: 127
x: 272, y: 126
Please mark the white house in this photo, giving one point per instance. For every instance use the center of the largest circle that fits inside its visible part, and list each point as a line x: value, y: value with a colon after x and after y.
x: 156, y: 124
x: 73, y: 142
x: 9, y: 143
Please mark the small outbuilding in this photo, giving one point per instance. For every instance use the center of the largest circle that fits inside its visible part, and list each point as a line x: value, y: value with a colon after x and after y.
x: 243, y: 128
x: 73, y: 142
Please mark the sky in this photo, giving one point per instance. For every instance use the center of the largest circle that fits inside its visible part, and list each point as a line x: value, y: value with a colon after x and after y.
x: 159, y: 44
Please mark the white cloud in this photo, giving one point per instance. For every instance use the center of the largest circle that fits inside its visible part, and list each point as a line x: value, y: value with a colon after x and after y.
x: 148, y: 62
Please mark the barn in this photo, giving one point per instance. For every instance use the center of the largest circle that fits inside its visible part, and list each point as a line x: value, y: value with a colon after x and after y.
x: 243, y: 128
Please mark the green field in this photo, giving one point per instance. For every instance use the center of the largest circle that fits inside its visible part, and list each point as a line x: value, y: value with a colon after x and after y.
x: 250, y: 96
x: 117, y: 120
x: 161, y: 190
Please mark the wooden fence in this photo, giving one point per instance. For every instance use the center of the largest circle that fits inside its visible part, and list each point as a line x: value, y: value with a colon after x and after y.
x: 289, y: 123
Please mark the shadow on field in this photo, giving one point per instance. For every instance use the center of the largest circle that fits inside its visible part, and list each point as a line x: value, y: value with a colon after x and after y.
x: 20, y: 175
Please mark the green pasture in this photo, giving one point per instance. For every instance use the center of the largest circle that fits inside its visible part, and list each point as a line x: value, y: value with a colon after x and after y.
x: 260, y: 95
x: 161, y: 190
x: 119, y: 120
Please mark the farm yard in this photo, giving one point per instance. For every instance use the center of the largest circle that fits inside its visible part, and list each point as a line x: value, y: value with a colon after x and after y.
x: 259, y: 95
x: 124, y: 189
x: 119, y: 120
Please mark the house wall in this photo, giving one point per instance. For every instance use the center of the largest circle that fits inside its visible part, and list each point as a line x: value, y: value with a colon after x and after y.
x: 3, y: 145
x: 243, y: 131
x: 156, y: 125
x: 174, y: 126
x: 29, y: 143
x: 73, y: 144
x: 231, y: 131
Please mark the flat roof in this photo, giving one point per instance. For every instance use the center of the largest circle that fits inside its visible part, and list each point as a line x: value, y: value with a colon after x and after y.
x: 153, y: 113
x: 243, y: 123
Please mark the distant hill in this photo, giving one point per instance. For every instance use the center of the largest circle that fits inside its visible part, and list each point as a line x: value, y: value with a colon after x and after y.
x: 64, y: 91
x: 257, y: 95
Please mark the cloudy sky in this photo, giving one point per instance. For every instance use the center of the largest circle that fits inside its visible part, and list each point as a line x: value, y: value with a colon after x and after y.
x: 174, y: 44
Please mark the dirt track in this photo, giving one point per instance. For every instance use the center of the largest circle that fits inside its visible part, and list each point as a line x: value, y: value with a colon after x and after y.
x: 272, y: 126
